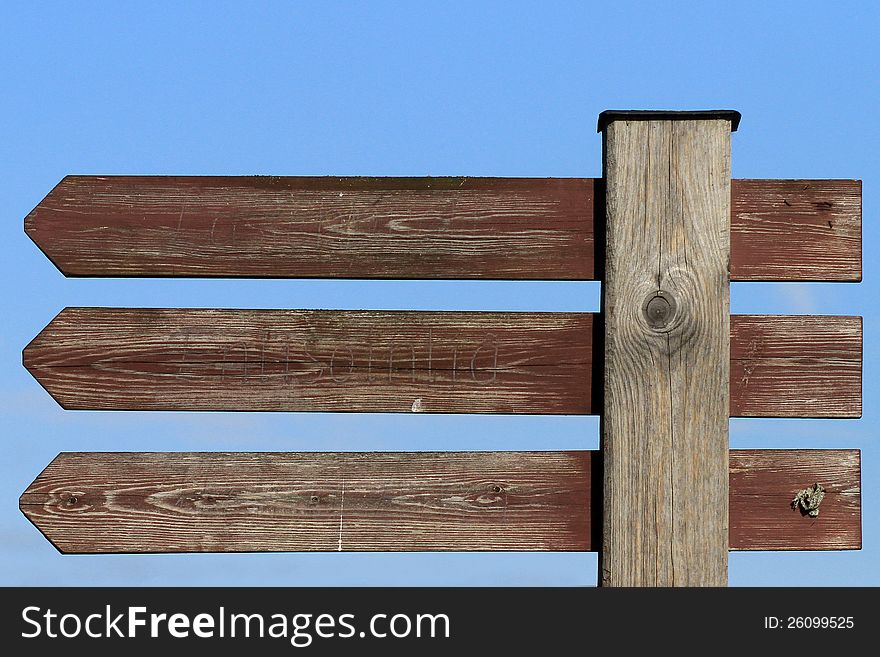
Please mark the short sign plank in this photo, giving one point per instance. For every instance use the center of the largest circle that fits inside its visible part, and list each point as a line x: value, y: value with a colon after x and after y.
x: 435, y: 362
x: 446, y: 228
x: 760, y: 479
x: 795, y: 366
x: 422, y: 501
x: 796, y: 230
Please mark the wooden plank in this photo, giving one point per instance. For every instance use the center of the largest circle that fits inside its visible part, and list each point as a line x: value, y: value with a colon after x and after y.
x: 667, y: 353
x: 176, y: 359
x: 243, y: 502
x: 453, y: 228
x: 796, y: 230
x: 304, y: 360
x: 512, y: 228
x: 796, y: 366
x: 760, y: 482
x: 313, y: 501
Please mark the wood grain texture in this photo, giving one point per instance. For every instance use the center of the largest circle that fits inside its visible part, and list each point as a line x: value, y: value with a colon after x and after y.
x: 795, y: 366
x: 452, y: 228
x: 667, y: 353
x: 760, y: 482
x: 310, y: 360
x: 176, y: 359
x: 318, y: 227
x: 313, y: 501
x: 802, y: 230
x: 260, y: 502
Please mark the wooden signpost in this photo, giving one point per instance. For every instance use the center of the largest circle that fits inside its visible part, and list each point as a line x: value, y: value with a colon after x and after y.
x: 664, y: 364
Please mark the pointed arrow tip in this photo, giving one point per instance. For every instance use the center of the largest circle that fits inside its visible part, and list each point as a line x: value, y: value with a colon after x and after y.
x: 32, y: 225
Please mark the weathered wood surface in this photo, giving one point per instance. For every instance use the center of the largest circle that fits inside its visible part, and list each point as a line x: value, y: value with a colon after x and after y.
x: 795, y: 366
x: 313, y: 501
x: 237, y: 502
x: 318, y: 227
x: 304, y: 360
x: 453, y: 228
x: 796, y: 230
x: 760, y: 482
x: 667, y: 353
x: 296, y: 360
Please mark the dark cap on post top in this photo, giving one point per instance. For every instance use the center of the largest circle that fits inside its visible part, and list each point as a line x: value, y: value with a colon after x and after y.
x: 608, y: 116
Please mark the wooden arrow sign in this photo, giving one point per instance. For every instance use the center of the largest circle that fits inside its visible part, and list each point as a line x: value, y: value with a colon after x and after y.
x: 427, y: 501
x: 665, y: 230
x: 435, y: 362
x: 455, y: 228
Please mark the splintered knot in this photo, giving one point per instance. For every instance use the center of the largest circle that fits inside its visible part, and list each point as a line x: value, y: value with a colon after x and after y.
x: 808, y: 500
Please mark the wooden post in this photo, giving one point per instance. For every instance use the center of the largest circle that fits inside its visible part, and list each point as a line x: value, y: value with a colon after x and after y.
x: 667, y: 348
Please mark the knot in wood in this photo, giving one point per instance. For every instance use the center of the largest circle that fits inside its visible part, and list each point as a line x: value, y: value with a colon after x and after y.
x: 809, y: 499
x: 659, y: 309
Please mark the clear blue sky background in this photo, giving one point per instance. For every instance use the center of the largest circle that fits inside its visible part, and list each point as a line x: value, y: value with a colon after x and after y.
x: 404, y: 88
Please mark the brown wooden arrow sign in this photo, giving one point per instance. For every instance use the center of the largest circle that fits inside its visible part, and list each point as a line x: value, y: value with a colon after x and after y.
x: 453, y: 228
x: 435, y: 362
x: 425, y: 501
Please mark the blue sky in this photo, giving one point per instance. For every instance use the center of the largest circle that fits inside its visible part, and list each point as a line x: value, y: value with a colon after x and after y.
x: 396, y: 88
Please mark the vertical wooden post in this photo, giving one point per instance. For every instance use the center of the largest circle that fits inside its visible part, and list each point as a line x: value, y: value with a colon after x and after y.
x: 667, y: 348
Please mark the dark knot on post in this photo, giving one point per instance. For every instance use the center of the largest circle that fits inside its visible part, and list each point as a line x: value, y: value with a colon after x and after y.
x: 659, y: 309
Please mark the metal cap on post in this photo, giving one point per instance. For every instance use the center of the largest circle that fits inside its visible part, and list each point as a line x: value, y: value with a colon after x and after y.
x: 608, y: 116
x: 667, y: 347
